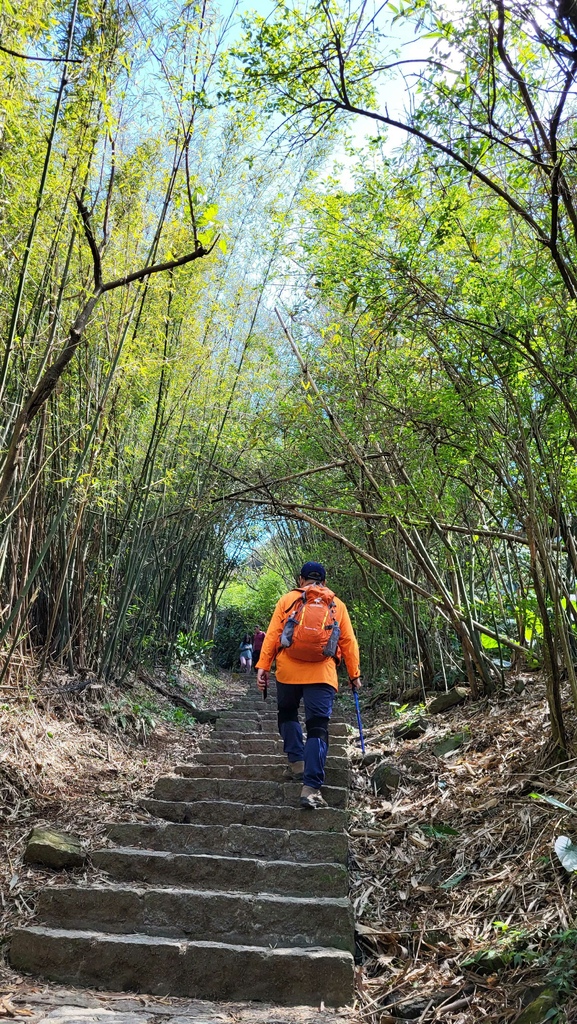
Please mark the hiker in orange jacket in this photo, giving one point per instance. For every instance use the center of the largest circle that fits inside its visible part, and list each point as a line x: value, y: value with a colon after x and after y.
x: 309, y: 634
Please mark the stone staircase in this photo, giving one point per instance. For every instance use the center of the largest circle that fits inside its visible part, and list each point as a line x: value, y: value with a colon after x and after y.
x: 235, y: 894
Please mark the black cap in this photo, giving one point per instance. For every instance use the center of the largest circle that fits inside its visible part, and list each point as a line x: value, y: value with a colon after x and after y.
x: 313, y: 571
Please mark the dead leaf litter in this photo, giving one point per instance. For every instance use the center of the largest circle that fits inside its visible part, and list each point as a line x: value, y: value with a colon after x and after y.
x: 463, y: 911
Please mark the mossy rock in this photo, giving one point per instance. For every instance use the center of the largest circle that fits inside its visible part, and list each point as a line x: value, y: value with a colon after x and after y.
x: 536, y: 1012
x: 448, y: 700
x: 410, y: 730
x: 54, y: 849
x: 451, y: 743
x: 386, y: 779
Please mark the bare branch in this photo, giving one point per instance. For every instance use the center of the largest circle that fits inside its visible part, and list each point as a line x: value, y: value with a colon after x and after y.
x: 157, y: 268
x: 91, y: 243
x: 53, y: 60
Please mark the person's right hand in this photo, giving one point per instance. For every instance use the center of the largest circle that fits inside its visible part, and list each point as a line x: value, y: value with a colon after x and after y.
x: 261, y: 679
x: 355, y: 683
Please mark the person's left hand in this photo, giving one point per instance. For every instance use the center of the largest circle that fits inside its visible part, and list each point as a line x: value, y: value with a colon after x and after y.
x: 356, y: 683
x: 261, y: 679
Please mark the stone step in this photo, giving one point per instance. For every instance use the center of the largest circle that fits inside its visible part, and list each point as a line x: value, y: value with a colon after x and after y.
x: 227, y: 812
x: 216, y: 757
x: 248, y: 744
x: 177, y: 913
x: 224, y: 898
x: 200, y: 970
x: 270, y: 714
x: 219, y: 872
x: 256, y: 726
x: 231, y: 841
x: 241, y: 724
x: 270, y: 710
x: 257, y: 704
x: 237, y: 736
x: 271, y: 772
x: 177, y: 787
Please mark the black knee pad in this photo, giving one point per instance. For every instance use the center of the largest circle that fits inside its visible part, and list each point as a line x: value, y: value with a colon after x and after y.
x: 287, y: 715
x: 318, y: 726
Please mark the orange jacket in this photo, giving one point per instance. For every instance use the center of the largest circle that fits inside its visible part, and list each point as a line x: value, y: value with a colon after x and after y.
x: 289, y: 670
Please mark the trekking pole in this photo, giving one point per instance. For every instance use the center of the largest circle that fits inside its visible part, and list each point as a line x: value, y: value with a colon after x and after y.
x: 359, y: 723
x: 265, y: 692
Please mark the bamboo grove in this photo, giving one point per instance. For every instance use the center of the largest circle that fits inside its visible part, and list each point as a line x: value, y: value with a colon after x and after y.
x: 216, y: 345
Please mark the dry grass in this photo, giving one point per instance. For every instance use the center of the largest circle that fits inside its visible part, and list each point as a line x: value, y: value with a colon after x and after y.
x: 428, y: 900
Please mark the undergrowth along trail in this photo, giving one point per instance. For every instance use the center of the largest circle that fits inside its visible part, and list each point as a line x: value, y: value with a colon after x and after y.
x: 463, y: 911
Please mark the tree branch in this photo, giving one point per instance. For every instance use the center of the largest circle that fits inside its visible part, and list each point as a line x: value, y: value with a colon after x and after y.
x: 96, y: 262
x: 54, y: 60
x: 157, y: 268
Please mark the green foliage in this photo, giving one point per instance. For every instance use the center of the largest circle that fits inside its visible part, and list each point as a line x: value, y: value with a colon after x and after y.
x: 439, y: 831
x: 133, y: 717
x: 440, y: 336
x: 178, y: 716
x: 139, y: 718
x: 231, y: 627
x: 191, y: 649
x: 553, y: 802
x: 256, y: 598
x: 125, y: 462
x: 412, y: 711
x: 416, y: 431
x: 551, y: 955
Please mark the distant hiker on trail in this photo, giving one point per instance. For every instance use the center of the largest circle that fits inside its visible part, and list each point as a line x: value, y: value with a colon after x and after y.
x: 257, y: 641
x: 245, y: 653
x: 308, y: 635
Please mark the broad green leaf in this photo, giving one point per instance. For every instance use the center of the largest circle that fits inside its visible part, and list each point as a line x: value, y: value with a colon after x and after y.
x: 489, y: 643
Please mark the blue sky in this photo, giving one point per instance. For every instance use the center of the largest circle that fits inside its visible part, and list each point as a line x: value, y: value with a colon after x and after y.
x: 392, y: 94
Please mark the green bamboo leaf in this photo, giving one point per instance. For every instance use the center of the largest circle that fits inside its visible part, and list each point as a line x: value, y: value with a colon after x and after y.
x: 553, y: 802
x: 454, y: 880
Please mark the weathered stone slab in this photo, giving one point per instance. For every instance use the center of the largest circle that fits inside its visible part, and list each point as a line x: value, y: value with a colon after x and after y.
x: 216, y: 757
x: 245, y: 724
x: 271, y: 772
x: 177, y: 787
x: 207, y: 901
x: 410, y: 730
x: 246, y: 744
x: 202, y: 970
x: 54, y: 849
x: 216, y: 871
x: 237, y: 735
x: 232, y: 841
x: 242, y: 919
x: 540, y: 1009
x: 207, y: 812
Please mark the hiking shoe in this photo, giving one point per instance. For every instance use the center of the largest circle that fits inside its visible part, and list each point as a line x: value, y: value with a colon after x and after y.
x: 312, y: 798
x: 294, y: 771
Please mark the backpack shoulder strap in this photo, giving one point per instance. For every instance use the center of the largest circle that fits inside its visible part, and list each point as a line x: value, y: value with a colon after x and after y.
x: 300, y: 596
